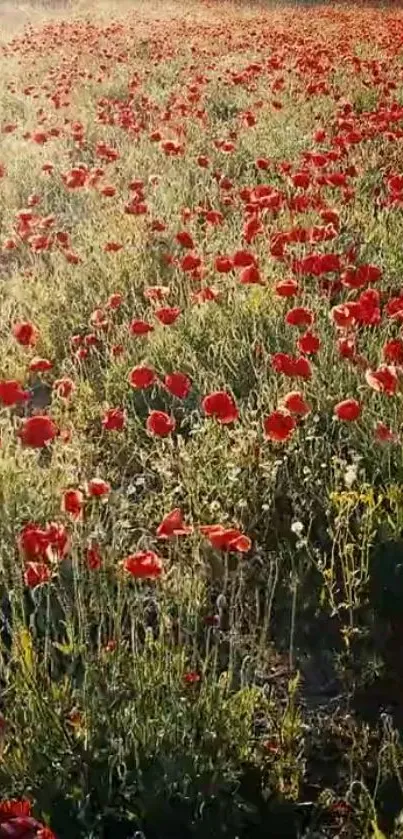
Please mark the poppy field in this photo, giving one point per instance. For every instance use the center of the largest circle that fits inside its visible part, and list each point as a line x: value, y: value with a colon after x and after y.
x: 201, y: 425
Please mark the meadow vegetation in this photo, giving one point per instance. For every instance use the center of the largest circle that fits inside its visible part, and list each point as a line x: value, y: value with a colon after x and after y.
x: 201, y: 503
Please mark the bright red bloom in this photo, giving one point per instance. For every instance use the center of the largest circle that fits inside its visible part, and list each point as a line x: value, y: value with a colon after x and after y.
x: 295, y: 403
x: 242, y: 259
x: 226, y: 538
x: 173, y: 525
x: 112, y: 247
x: 345, y: 314
x: 185, y: 239
x: 191, y: 678
x: 143, y: 565
x: 98, y: 488
x: 64, y: 387
x: 250, y: 275
x: 25, y: 333
x: 140, y: 327
x: 348, y: 410
x: 114, y: 419
x: 167, y: 314
x: 38, y: 431
x: 190, y: 262
x: 291, y: 366
x: 73, y: 503
x: 160, y: 424
x: 299, y: 316
x: 394, y: 308
x: 93, y: 557
x: 33, y: 542
x: 40, y: 365
x: 220, y: 405
x: 142, y: 377
x: 205, y: 295
x: 369, y: 312
x: 384, y: 434
x: 279, y: 426
x: 383, y: 380
x: 223, y: 264
x: 393, y: 351
x: 347, y: 347
x: 45, y: 833
x: 114, y: 301
x: 12, y: 808
x: 287, y: 288
x: 156, y: 292
x: 35, y: 574
x: 58, y: 540
x: 178, y: 384
x: 309, y: 343
x: 12, y: 392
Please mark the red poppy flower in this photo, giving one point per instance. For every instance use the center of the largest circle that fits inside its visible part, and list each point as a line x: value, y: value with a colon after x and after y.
x: 114, y: 419
x: 309, y: 343
x: 287, y: 288
x: 252, y: 228
x: 347, y: 347
x: 12, y: 808
x: 167, y: 314
x: 299, y: 316
x: 345, y: 314
x: 73, y: 503
x: 384, y: 434
x: 114, y: 301
x: 185, y: 239
x: 112, y: 247
x: 140, y: 327
x: 226, y: 538
x: 98, y: 488
x: 25, y: 333
x: 35, y: 574
x: 262, y: 163
x: 160, y: 424
x: 93, y: 557
x: 383, y: 380
x: 40, y: 365
x: 11, y: 392
x: 9, y: 245
x: 190, y: 262
x: 33, y: 542
x: 223, y: 264
x: 348, y: 410
x: 295, y: 403
x: 64, y: 387
x: 72, y: 258
x: 38, y: 431
x: 58, y: 540
x: 220, y: 405
x: 191, y: 678
x: 291, y: 366
x: 143, y: 565
x: 173, y: 525
x: 206, y: 295
x: 178, y: 384
x: 242, y: 259
x: 250, y: 275
x: 279, y: 426
x: 156, y: 292
x: 393, y: 351
x: 142, y: 377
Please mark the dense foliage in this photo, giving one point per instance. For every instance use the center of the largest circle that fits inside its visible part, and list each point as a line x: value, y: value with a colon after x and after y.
x: 201, y: 423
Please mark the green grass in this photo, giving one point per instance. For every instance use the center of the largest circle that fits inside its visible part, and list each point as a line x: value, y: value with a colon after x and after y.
x: 239, y: 694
